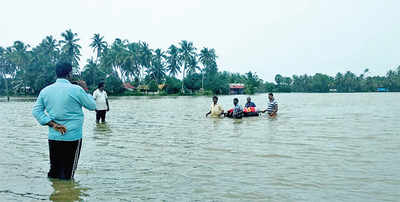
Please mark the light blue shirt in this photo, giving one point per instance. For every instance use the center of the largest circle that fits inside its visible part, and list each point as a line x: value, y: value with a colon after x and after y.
x: 62, y: 103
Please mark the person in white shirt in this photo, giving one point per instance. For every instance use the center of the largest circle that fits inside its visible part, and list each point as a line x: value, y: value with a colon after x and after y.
x: 272, y: 106
x: 216, y: 109
x: 102, y: 106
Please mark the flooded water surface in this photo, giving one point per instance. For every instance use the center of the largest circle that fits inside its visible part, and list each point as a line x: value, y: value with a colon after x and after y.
x: 320, y: 147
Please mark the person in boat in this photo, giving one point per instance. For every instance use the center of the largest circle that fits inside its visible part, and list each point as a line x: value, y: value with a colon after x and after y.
x: 272, y: 105
x: 250, y: 108
x: 216, y: 109
x: 249, y: 103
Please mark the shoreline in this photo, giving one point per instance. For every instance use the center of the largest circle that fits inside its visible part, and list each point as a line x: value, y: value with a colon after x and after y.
x: 27, y: 97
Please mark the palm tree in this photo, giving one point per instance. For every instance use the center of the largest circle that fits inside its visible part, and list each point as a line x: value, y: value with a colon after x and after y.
x: 6, y: 67
x: 20, y: 57
x: 113, y: 58
x: 70, y: 48
x: 157, y: 69
x: 98, y: 45
x: 146, y: 56
x: 50, y: 46
x: 173, y: 61
x: 193, y: 65
x: 131, y: 60
x: 186, y: 54
x: 208, y: 58
x: 91, y: 72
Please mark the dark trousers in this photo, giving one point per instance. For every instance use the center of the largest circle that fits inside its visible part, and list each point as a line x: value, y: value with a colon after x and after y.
x: 64, y: 156
x: 101, y: 114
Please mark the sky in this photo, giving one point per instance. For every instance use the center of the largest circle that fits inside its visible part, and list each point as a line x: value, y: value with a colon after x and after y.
x: 268, y: 37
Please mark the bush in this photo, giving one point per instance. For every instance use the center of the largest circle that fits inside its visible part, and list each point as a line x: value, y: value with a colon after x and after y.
x: 153, y: 86
x: 173, y: 85
x: 205, y: 93
x: 132, y: 93
x: 113, y: 85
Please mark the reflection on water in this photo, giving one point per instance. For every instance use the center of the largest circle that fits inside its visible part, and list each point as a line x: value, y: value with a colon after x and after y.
x: 67, y: 190
x: 102, y: 128
x: 321, y: 147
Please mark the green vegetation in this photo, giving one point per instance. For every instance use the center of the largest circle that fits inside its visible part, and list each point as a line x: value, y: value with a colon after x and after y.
x: 25, y: 70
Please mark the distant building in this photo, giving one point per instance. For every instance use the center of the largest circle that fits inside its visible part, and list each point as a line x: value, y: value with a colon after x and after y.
x: 236, y: 88
x: 143, y: 88
x: 382, y: 90
x: 128, y: 86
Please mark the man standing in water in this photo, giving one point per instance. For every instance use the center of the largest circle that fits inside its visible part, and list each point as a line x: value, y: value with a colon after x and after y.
x: 102, y: 106
x: 216, y: 109
x: 272, y: 105
x: 238, y: 110
x: 59, y: 106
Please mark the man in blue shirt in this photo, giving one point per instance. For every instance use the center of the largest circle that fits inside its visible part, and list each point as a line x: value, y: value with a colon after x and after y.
x: 249, y: 103
x: 59, y: 106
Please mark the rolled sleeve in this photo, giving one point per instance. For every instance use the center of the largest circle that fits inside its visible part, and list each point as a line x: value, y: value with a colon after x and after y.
x: 38, y: 111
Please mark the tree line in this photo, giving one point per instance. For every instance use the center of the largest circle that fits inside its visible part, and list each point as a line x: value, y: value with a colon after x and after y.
x: 342, y: 82
x: 25, y: 70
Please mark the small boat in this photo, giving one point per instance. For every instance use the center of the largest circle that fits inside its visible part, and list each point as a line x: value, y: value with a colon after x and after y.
x: 247, y: 112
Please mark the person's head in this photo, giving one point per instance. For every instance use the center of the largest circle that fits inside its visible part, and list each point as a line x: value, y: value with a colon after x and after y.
x: 235, y: 101
x: 101, y: 86
x: 270, y: 96
x: 64, y: 70
x: 215, y: 99
x: 248, y: 99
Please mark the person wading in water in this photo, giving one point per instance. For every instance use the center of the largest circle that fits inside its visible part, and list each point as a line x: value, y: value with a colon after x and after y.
x: 215, y: 109
x: 59, y: 106
x: 102, y: 106
x: 272, y: 105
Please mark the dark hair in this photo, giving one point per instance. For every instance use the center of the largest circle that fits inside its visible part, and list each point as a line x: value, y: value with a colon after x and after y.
x: 63, y: 69
x: 101, y: 84
x: 215, y: 97
x: 235, y: 99
x: 270, y: 94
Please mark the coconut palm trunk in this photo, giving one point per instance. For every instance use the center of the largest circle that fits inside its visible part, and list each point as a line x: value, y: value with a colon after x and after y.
x: 183, y: 78
x: 8, y: 95
x: 6, y: 84
x: 202, y: 79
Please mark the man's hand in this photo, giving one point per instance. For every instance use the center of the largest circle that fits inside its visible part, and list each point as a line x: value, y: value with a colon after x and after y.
x: 83, y: 84
x: 108, y: 108
x: 58, y: 127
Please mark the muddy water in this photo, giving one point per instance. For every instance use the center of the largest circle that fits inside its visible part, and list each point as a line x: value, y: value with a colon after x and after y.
x: 321, y: 147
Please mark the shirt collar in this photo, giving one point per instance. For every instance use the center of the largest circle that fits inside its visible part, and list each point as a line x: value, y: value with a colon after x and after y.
x: 63, y: 81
